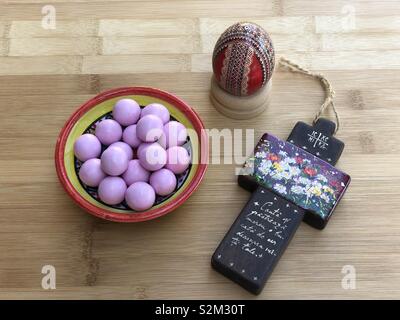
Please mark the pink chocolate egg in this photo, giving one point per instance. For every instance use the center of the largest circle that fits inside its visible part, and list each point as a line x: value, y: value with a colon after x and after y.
x: 175, y: 133
x: 158, y: 110
x: 126, y: 112
x: 130, y: 137
x: 140, y: 196
x: 124, y: 146
x: 91, y: 173
x: 149, y: 128
x: 108, y: 131
x: 152, y: 157
x: 178, y: 159
x: 135, y: 173
x: 163, y: 182
x: 87, y: 146
x: 112, y: 190
x: 114, y: 161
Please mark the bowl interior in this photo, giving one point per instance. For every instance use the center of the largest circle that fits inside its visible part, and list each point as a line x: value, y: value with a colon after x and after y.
x: 87, y: 196
x: 160, y: 200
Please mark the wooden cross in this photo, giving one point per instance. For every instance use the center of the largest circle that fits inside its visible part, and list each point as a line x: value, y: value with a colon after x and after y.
x: 290, y: 181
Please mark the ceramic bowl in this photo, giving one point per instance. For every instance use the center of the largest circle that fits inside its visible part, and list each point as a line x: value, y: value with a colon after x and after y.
x: 84, y: 120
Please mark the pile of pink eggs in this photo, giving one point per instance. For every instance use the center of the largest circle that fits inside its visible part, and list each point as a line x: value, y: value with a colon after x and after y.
x: 134, y: 156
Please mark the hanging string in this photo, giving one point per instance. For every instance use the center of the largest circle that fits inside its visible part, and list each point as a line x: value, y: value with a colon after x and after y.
x: 329, y: 92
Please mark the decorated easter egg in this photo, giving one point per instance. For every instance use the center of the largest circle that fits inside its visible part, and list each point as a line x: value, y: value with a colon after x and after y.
x: 243, y: 59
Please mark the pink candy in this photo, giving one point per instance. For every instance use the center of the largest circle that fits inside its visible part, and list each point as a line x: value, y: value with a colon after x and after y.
x: 152, y: 157
x: 178, y: 159
x: 150, y: 135
x: 91, y: 173
x: 126, y: 112
x: 135, y: 173
x: 142, y: 148
x: 114, y: 161
x: 158, y: 110
x: 175, y: 134
x: 140, y: 196
x: 108, y: 131
x: 124, y: 146
x: 86, y: 147
x: 112, y: 190
x: 163, y: 182
x: 130, y: 137
x: 149, y: 128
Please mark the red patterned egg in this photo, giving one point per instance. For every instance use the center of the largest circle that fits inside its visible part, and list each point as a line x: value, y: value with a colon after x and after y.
x: 243, y: 59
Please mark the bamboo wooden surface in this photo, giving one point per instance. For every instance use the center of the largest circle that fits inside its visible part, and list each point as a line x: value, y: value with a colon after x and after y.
x: 98, y: 45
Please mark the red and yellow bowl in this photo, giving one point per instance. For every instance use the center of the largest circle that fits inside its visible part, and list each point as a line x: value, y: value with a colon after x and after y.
x: 101, y: 105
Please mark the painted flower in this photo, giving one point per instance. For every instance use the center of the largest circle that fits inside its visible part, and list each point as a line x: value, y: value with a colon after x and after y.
x: 280, y: 188
x: 313, y: 191
x: 297, y: 189
x: 325, y: 198
x: 309, y: 192
x: 293, y: 175
x: 329, y: 190
x: 334, y: 183
x: 277, y: 166
x: 285, y: 166
x: 317, y: 191
x: 265, y: 166
x: 273, y: 157
x: 291, y: 160
x: 277, y: 175
x: 294, y: 171
x: 304, y: 181
x: 310, y: 171
x: 261, y: 154
x: 322, y: 178
x: 299, y: 160
x: 317, y: 184
x: 286, y: 175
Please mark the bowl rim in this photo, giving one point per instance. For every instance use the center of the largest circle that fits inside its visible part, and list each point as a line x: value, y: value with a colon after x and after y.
x: 152, y: 213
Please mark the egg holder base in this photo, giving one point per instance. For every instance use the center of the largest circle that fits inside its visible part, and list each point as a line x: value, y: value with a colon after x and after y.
x: 245, y: 107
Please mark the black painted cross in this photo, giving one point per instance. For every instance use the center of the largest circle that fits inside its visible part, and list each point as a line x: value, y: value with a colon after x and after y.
x: 290, y: 181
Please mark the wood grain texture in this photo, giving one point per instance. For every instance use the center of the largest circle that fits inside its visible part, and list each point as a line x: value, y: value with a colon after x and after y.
x: 98, y: 45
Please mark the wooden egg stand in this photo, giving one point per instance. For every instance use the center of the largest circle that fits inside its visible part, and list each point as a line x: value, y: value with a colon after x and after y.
x: 245, y: 107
